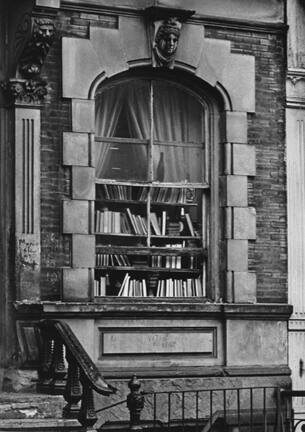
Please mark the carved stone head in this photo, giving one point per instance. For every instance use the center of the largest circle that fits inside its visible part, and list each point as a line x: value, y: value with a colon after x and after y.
x: 166, y: 41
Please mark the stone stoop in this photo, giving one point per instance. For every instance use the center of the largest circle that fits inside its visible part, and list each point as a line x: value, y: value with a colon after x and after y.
x: 34, y: 412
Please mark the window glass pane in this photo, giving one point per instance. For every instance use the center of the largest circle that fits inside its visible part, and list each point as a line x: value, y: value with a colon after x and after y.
x: 123, y: 111
x: 178, y: 118
x: 177, y: 163
x: 121, y: 161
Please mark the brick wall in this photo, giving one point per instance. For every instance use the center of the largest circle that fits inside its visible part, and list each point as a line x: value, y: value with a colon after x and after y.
x: 266, y: 130
x: 268, y: 254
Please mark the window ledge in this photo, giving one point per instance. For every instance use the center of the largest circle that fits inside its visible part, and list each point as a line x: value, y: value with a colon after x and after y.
x: 152, y: 307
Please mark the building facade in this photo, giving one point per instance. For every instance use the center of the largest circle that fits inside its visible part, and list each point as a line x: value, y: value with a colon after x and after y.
x: 143, y: 186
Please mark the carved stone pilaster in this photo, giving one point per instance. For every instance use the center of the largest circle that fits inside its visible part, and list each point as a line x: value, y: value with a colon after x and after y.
x: 25, y: 91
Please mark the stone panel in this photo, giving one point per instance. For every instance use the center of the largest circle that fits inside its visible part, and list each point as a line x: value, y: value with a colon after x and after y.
x: 48, y: 3
x: 75, y: 149
x: 254, y: 342
x: 239, y: 81
x: 244, y: 162
x: 76, y: 285
x: 237, y: 255
x: 83, y: 186
x: 80, y: 65
x: 135, y: 48
x: 83, y: 115
x: 187, y: 53
x: 213, y: 60
x: 108, y: 46
x: 244, y: 287
x: 83, y: 251
x: 235, y: 127
x: 75, y: 217
x: 236, y: 191
x: 244, y: 223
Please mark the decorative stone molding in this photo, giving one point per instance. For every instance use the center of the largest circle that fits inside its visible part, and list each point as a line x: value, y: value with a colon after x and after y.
x: 37, y: 47
x: 165, y: 42
x: 25, y: 91
x: 167, y: 25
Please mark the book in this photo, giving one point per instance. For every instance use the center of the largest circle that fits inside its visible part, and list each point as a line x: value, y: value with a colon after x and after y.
x: 189, y: 224
x: 154, y: 223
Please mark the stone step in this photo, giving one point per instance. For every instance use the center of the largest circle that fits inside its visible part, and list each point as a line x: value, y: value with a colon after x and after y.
x: 30, y: 406
x: 40, y: 425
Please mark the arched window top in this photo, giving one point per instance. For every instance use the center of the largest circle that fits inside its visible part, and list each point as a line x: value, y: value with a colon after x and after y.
x: 159, y: 129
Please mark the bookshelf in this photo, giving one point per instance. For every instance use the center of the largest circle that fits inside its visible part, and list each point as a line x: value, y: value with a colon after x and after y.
x: 150, y: 240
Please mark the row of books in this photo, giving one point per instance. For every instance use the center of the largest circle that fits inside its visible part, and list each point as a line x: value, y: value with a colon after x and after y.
x: 167, y: 261
x: 100, y: 286
x: 158, y: 194
x: 112, y: 260
x: 191, y: 287
x: 173, y: 195
x: 109, y: 221
x: 123, y: 192
x: 131, y: 287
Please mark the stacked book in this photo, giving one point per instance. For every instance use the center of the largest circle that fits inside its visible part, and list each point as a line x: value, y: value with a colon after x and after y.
x: 114, y: 222
x: 180, y: 288
x: 133, y: 287
x: 112, y: 260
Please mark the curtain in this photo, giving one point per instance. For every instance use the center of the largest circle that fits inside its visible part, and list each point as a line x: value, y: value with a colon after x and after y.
x: 109, y: 105
x: 177, y: 117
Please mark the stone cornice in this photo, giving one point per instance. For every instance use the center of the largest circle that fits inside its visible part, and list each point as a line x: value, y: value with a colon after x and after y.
x: 165, y: 308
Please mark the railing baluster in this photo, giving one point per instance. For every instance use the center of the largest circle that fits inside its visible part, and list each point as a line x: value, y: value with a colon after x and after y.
x: 251, y: 409
x: 264, y: 411
x: 59, y: 368
x: 73, y: 390
x: 238, y: 408
x: 224, y: 406
x: 182, y: 406
x: 87, y: 416
x: 155, y: 409
x: 211, y: 408
x: 135, y: 403
x: 197, y: 411
x: 45, y: 370
x: 169, y: 408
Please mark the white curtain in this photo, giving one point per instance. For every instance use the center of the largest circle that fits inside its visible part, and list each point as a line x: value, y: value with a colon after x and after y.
x: 177, y: 117
x: 109, y: 105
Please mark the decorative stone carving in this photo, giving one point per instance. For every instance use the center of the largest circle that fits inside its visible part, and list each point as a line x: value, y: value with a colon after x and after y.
x: 167, y: 25
x: 165, y: 42
x: 25, y: 91
x: 37, y: 47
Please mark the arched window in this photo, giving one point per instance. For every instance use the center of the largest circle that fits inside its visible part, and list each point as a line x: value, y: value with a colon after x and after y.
x: 153, y: 189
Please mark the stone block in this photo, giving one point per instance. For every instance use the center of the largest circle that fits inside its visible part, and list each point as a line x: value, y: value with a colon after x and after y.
x: 75, y: 217
x: 108, y: 45
x: 135, y: 48
x: 76, y: 284
x: 235, y: 127
x: 190, y: 54
x: 80, y: 66
x: 83, y: 115
x: 236, y: 191
x: 237, y: 255
x: 83, y: 185
x: 239, y: 82
x: 244, y: 287
x: 256, y: 342
x: 75, y: 149
x: 244, y: 162
x: 244, y: 223
x: 83, y: 251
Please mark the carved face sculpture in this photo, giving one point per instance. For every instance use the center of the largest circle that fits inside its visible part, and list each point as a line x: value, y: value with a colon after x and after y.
x: 166, y: 40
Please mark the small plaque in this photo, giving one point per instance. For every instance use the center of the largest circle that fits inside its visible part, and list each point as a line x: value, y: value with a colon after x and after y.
x: 135, y: 341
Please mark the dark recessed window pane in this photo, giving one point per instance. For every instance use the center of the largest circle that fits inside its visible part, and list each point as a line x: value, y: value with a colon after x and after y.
x: 121, y: 161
